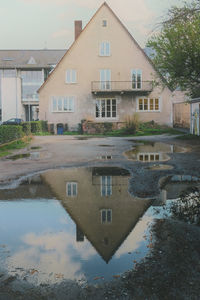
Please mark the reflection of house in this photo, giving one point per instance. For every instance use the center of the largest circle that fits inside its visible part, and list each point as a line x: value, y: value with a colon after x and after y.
x: 150, y: 152
x: 22, y: 72
x: 175, y: 186
x: 29, y: 188
x: 104, y: 77
x: 101, y: 206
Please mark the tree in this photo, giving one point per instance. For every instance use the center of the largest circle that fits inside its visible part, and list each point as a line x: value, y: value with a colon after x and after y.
x: 176, y: 48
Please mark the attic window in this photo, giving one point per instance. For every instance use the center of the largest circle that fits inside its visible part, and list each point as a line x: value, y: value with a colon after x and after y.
x: 31, y: 61
x: 104, y: 23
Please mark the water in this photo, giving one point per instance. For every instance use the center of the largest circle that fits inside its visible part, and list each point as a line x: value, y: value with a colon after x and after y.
x: 152, y: 151
x: 79, y: 224
x: 72, y: 224
x: 31, y: 155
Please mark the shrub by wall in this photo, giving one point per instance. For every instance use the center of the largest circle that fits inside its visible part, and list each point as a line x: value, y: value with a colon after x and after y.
x: 90, y: 127
x: 26, y: 126
x: 10, y: 133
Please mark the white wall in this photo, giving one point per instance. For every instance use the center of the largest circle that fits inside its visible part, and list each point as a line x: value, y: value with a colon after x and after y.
x: 11, y: 98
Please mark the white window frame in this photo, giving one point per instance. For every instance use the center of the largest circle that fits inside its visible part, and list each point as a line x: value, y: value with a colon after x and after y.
x: 136, y: 82
x: 149, y: 104
x: 106, y: 210
x: 148, y: 155
x: 99, y: 103
x: 66, y: 104
x: 71, y: 76
x: 106, y: 186
x: 105, y: 79
x: 104, y: 48
x: 72, y: 184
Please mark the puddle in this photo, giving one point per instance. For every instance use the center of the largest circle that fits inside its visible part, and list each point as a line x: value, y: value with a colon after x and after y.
x: 106, y: 145
x: 81, y: 138
x: 31, y: 155
x: 105, y: 157
x: 79, y: 223
x: 19, y: 156
x: 35, y: 147
x: 49, y: 237
x: 152, y: 151
x: 160, y: 167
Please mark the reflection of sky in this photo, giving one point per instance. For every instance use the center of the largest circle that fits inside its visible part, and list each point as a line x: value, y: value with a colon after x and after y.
x: 40, y: 235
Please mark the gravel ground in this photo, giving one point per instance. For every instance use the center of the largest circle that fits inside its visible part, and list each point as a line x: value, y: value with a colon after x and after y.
x: 171, y: 271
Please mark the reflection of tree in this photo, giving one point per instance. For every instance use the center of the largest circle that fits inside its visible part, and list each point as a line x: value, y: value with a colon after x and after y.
x: 188, y: 207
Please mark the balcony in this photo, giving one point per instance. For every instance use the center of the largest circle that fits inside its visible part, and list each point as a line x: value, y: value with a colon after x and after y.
x: 121, y: 87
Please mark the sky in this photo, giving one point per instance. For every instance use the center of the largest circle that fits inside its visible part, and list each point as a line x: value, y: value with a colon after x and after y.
x: 39, y: 24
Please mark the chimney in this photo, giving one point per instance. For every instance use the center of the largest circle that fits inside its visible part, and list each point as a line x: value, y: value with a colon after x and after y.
x: 77, y: 28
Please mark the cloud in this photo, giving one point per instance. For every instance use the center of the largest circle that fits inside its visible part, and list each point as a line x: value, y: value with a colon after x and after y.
x: 51, y: 254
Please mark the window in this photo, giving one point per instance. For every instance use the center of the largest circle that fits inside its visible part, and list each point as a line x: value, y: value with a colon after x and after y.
x: 71, y: 189
x: 104, y: 23
x: 106, y: 186
x: 104, y: 49
x: 63, y: 104
x: 105, y: 79
x: 147, y: 157
x: 106, y: 216
x: 136, y: 78
x: 148, y: 104
x: 106, y: 108
x: 70, y: 76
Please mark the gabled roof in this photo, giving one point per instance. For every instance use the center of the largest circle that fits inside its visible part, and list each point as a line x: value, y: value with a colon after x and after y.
x: 137, y: 45
x: 45, y: 58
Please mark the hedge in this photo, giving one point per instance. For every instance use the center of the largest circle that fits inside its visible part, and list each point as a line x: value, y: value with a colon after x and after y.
x: 10, y: 133
x: 34, y: 127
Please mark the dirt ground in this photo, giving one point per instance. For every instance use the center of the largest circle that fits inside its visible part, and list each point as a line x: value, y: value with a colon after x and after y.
x: 172, y: 271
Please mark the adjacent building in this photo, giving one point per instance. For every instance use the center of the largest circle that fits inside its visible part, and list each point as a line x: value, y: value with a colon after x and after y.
x: 22, y: 72
x: 105, y: 76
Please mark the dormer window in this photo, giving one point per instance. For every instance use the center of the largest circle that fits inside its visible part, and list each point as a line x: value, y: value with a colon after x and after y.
x: 104, y: 23
x: 31, y: 61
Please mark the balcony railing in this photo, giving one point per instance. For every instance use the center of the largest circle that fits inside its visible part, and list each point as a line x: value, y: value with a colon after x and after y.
x: 121, y: 86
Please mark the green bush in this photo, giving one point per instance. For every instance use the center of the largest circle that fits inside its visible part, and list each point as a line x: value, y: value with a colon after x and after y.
x: 10, y: 133
x: 36, y: 126
x: 131, y: 124
x: 44, y: 125
x: 26, y: 126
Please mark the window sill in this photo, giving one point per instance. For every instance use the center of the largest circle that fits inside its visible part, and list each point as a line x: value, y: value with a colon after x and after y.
x: 62, y: 112
x: 71, y: 83
x: 148, y: 111
x: 106, y: 119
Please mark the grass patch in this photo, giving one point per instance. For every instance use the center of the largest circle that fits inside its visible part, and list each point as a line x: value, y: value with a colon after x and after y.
x: 20, y: 144
x: 4, y: 153
x: 188, y: 137
x: 145, y: 129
